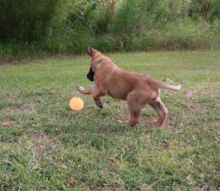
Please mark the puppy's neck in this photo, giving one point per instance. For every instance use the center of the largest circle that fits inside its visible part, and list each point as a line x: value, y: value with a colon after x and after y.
x: 98, y: 64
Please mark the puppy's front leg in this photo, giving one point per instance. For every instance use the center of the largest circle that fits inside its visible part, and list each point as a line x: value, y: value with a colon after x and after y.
x: 95, y: 93
x: 86, y: 91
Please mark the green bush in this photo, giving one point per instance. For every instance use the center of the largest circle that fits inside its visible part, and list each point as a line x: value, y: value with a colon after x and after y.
x: 25, y: 20
x: 68, y: 27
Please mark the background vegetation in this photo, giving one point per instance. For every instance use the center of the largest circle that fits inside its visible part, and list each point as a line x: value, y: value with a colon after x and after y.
x: 43, y: 27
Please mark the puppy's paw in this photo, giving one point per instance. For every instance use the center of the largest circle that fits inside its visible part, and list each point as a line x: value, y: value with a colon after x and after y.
x: 122, y: 122
x: 81, y: 90
x: 154, y: 122
x: 129, y: 122
x: 151, y: 122
x: 99, y: 104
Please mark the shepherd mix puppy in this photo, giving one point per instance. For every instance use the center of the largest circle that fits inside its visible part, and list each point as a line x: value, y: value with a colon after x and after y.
x: 138, y: 89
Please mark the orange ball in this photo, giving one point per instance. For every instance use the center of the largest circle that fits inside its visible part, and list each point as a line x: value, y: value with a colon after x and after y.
x: 76, y: 103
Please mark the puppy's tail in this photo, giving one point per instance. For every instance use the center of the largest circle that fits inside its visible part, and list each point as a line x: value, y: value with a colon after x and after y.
x: 156, y: 84
x: 170, y: 87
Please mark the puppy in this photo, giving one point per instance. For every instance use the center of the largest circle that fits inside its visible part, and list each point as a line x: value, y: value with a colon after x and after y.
x: 138, y: 89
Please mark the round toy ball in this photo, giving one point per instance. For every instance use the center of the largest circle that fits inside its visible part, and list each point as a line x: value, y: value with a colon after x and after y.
x: 76, y: 103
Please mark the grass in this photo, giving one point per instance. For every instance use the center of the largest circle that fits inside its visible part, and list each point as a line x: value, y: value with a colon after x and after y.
x: 46, y: 146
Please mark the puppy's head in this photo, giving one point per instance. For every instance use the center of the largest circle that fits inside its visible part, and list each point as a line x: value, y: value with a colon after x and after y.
x: 90, y: 51
x: 93, y: 53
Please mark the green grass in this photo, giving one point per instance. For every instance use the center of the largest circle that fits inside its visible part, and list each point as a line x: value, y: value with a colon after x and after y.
x: 46, y: 146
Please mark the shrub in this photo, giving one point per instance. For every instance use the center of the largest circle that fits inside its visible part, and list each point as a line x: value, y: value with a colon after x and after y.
x: 69, y: 27
x: 25, y: 20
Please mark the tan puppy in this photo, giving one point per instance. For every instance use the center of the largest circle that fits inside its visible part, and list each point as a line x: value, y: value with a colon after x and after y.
x: 138, y: 89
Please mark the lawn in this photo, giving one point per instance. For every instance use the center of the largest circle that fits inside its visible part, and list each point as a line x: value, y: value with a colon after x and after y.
x: 46, y: 146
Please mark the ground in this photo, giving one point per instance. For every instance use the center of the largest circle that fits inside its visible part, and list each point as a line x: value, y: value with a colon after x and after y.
x: 46, y: 146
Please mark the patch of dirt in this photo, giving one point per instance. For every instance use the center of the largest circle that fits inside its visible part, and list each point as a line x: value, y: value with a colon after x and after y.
x: 197, y: 108
x: 8, y: 62
x: 28, y: 108
x: 7, y: 123
x: 72, y: 182
x: 13, y: 98
x: 39, y: 59
x: 202, y: 98
x: 92, y: 187
x: 42, y: 144
x: 189, y: 94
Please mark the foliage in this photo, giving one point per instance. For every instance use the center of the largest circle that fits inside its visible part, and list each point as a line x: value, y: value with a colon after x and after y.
x: 26, y: 20
x: 69, y: 26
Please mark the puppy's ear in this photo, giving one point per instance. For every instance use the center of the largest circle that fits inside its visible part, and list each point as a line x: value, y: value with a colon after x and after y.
x: 91, y: 74
x: 90, y: 51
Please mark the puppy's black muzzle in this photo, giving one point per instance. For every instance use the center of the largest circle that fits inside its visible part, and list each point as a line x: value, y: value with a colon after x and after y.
x: 91, y: 74
x: 90, y: 51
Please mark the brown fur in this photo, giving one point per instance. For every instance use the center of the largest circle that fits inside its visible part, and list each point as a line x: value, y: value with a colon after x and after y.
x: 138, y: 89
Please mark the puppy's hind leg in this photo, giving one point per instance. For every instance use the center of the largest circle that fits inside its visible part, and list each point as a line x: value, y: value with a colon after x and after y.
x: 134, y: 108
x: 161, y: 110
